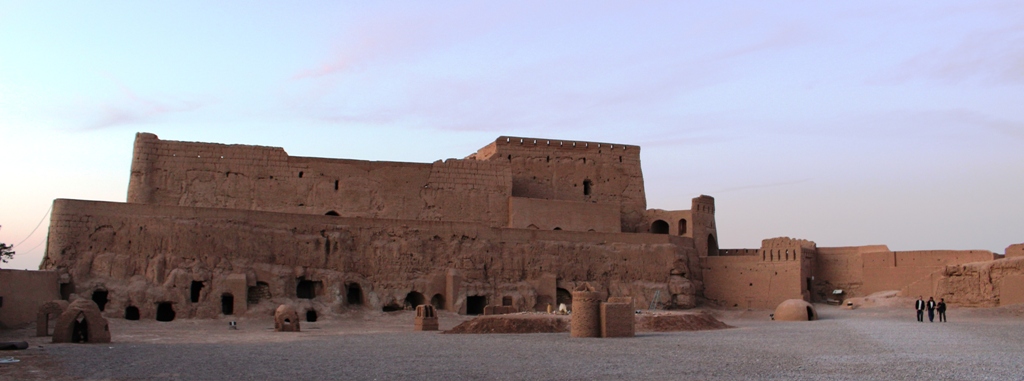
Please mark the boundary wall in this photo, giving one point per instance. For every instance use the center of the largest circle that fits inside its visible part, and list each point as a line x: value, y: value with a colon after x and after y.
x: 149, y: 254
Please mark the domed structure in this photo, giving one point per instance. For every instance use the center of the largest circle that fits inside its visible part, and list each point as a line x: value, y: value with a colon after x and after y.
x: 795, y: 310
x: 286, y: 319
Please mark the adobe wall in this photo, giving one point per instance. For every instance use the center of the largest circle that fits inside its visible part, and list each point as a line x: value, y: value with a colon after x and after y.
x: 267, y: 179
x: 561, y: 170
x: 23, y: 291
x: 679, y: 222
x: 532, y: 213
x: 979, y: 284
x: 863, y: 270
x: 145, y: 254
x: 750, y: 282
x: 1015, y: 250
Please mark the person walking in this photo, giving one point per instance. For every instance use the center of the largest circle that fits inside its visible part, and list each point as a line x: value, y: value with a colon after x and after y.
x: 942, y: 310
x: 931, y: 309
x: 920, y: 308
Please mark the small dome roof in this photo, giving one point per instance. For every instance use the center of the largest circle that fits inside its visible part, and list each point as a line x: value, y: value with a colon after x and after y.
x: 795, y: 310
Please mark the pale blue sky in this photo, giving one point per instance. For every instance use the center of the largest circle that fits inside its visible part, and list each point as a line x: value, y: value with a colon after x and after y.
x: 846, y: 123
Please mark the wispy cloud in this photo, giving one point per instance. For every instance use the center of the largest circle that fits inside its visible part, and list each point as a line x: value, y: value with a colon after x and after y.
x: 131, y: 108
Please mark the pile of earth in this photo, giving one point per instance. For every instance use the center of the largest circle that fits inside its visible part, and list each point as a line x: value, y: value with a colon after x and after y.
x: 545, y: 323
x: 677, y: 321
x: 514, y: 323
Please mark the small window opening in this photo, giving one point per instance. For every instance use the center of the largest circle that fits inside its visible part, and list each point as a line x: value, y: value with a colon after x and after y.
x: 557, y: 228
x: 682, y: 227
x: 354, y: 294
x: 227, y: 304
x: 131, y: 313
x: 475, y: 304
x: 164, y: 312
x: 510, y: 158
x: 587, y: 185
x: 311, y: 316
x: 335, y: 184
x: 195, y: 290
x: 506, y: 301
x: 414, y: 299
x: 100, y: 297
x: 332, y: 213
x: 437, y: 301
x: 659, y: 227
x: 300, y: 174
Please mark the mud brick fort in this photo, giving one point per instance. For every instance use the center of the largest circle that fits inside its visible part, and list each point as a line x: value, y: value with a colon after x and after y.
x: 210, y: 230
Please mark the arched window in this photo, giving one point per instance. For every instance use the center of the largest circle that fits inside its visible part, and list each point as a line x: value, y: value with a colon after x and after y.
x: 682, y: 227
x: 659, y: 227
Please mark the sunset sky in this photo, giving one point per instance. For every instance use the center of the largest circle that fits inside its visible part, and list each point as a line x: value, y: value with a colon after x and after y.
x: 845, y: 123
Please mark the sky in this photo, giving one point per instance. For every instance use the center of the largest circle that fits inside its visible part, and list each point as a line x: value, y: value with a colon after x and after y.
x: 845, y: 123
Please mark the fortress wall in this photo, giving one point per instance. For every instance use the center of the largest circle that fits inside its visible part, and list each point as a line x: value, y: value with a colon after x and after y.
x: 22, y: 292
x: 560, y: 170
x: 1015, y: 250
x: 532, y: 213
x: 979, y: 284
x: 863, y: 270
x: 144, y: 254
x: 266, y: 178
x: 749, y: 282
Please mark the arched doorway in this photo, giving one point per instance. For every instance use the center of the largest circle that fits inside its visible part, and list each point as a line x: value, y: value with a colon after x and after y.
x: 354, y: 294
x: 80, y: 330
x: 131, y: 313
x: 164, y: 312
x: 659, y: 227
x: 475, y: 304
x: 682, y: 227
x: 100, y: 297
x: 563, y: 296
x: 414, y: 299
x: 712, y: 245
x: 437, y: 301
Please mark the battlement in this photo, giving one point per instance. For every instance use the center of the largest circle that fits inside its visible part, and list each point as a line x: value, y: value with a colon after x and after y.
x: 504, y: 143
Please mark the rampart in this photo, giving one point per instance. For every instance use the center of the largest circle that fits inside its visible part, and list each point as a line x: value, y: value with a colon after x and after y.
x: 267, y: 179
x: 144, y: 255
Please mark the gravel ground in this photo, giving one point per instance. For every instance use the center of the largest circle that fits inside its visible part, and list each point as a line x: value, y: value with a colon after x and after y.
x: 876, y: 344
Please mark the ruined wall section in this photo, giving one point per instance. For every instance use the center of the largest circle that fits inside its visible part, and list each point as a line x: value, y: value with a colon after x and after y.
x: 267, y: 179
x: 979, y: 284
x: 863, y: 270
x: 146, y: 254
x: 591, y: 172
x: 23, y: 292
x: 1015, y: 250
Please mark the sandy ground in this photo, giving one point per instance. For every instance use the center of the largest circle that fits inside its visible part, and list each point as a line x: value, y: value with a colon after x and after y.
x: 876, y: 343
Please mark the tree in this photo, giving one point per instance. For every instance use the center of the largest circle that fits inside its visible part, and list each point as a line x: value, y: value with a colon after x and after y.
x: 5, y: 252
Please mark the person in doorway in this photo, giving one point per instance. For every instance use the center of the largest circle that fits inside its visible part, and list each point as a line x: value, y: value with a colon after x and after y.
x: 919, y: 305
x: 942, y: 310
x: 931, y: 309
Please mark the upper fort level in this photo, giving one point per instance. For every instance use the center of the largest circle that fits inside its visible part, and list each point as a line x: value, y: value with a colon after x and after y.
x: 565, y: 170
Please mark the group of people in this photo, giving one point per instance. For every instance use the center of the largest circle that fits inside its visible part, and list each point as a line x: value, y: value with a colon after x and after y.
x: 921, y: 305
